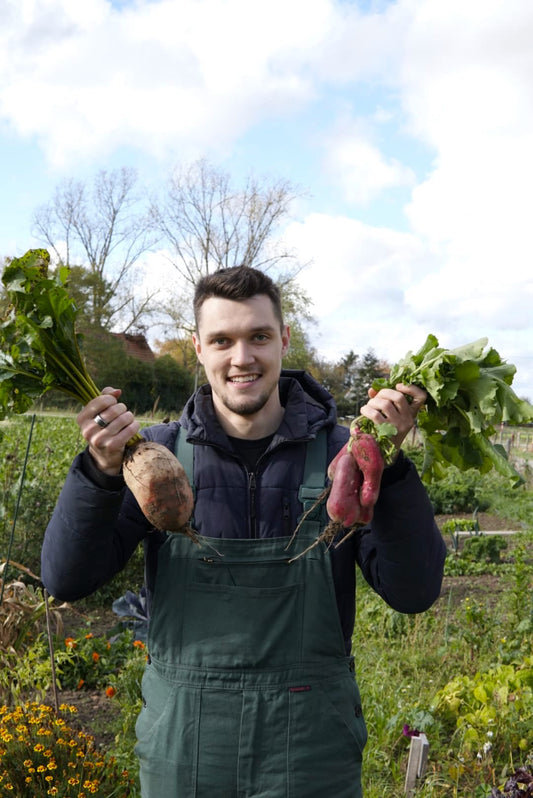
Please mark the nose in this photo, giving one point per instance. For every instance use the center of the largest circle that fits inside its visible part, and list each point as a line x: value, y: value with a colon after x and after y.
x: 242, y: 354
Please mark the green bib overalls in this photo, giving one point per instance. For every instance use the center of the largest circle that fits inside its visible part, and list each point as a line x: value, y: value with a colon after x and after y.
x: 248, y: 692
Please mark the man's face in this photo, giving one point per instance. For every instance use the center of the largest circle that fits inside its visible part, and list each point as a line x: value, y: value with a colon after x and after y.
x: 240, y: 345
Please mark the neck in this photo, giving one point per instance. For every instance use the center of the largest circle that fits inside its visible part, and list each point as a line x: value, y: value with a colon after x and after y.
x: 252, y: 427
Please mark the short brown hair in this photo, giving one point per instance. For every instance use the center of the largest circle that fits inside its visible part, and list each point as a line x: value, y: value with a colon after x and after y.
x: 236, y: 283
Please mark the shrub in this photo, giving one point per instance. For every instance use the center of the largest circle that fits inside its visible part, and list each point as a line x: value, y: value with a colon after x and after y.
x: 491, y: 710
x: 484, y: 548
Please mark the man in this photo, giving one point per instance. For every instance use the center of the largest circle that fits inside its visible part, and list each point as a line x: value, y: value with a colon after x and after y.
x: 249, y: 691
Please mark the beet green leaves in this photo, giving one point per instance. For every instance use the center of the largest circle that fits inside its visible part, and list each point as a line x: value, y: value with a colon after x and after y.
x: 469, y: 397
x: 39, y: 347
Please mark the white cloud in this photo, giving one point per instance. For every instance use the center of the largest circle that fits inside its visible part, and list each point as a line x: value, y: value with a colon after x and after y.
x: 386, y: 290
x: 356, y: 164
x: 358, y: 282
x: 157, y: 75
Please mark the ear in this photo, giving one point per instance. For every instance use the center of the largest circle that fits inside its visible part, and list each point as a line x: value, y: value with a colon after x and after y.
x: 285, y: 340
x: 197, y: 346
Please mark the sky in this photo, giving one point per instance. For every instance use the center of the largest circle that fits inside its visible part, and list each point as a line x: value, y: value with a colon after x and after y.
x: 408, y: 126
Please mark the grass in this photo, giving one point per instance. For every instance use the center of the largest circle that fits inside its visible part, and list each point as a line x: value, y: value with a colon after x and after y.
x: 402, y: 662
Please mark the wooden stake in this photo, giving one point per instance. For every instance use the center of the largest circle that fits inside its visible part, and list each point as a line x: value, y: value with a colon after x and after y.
x: 416, y: 766
x: 51, y: 649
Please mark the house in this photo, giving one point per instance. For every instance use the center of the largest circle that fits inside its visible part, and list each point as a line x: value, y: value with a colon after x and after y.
x: 136, y: 346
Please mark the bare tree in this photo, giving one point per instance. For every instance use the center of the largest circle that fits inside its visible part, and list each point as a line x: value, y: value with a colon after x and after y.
x: 209, y: 225
x: 103, y: 231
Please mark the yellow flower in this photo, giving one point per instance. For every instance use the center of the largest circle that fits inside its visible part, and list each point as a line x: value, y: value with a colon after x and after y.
x: 41, y: 769
x: 38, y: 748
x: 67, y: 708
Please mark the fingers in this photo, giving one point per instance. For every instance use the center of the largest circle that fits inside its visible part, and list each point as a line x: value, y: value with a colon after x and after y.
x: 418, y: 395
x: 398, y: 406
x: 107, y: 425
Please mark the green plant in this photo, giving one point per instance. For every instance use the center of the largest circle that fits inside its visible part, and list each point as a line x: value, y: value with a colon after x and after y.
x: 39, y: 346
x: 90, y: 661
x: 468, y: 393
x: 454, y: 526
x: 484, y: 548
x: 491, y: 710
x: 54, y: 443
x: 417, y: 657
x: 42, y: 755
x: 126, y: 690
x: 459, y: 566
x: 457, y: 492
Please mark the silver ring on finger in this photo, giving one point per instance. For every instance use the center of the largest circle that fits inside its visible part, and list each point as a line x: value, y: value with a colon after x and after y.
x: 100, y: 421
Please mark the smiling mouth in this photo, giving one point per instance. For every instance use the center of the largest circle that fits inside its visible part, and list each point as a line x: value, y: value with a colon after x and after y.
x: 244, y: 379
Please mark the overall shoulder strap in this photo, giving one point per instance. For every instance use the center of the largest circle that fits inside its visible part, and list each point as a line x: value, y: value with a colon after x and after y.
x: 184, y: 451
x: 314, y: 479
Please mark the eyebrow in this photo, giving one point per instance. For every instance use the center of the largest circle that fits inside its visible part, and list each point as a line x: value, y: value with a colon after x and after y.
x: 251, y: 331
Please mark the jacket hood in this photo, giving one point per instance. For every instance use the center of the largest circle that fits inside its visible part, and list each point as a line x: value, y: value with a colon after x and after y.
x: 308, y: 408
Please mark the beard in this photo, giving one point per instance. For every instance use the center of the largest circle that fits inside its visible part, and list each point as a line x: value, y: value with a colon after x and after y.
x: 247, y: 407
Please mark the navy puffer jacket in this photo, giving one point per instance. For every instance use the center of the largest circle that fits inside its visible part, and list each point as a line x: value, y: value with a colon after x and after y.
x: 97, y: 523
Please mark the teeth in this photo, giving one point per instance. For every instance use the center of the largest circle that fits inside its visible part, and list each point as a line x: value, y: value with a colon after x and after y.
x: 244, y: 379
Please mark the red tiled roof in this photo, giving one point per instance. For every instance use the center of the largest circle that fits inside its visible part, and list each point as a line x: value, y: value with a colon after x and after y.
x: 136, y: 346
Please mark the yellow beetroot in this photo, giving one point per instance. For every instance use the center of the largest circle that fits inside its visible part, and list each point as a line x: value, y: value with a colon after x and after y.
x: 159, y: 483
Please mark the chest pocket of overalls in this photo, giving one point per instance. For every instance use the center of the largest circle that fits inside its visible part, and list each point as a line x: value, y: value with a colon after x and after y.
x: 242, y: 613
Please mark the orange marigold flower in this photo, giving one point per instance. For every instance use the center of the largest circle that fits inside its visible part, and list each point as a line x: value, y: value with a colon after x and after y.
x: 70, y: 642
x: 138, y: 644
x: 89, y: 636
x: 96, y: 656
x: 80, y: 684
x: 110, y: 692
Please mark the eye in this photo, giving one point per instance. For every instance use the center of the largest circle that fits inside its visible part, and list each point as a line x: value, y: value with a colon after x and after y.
x: 261, y: 337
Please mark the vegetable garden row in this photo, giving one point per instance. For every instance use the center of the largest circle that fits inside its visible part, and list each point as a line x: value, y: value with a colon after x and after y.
x: 461, y: 673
